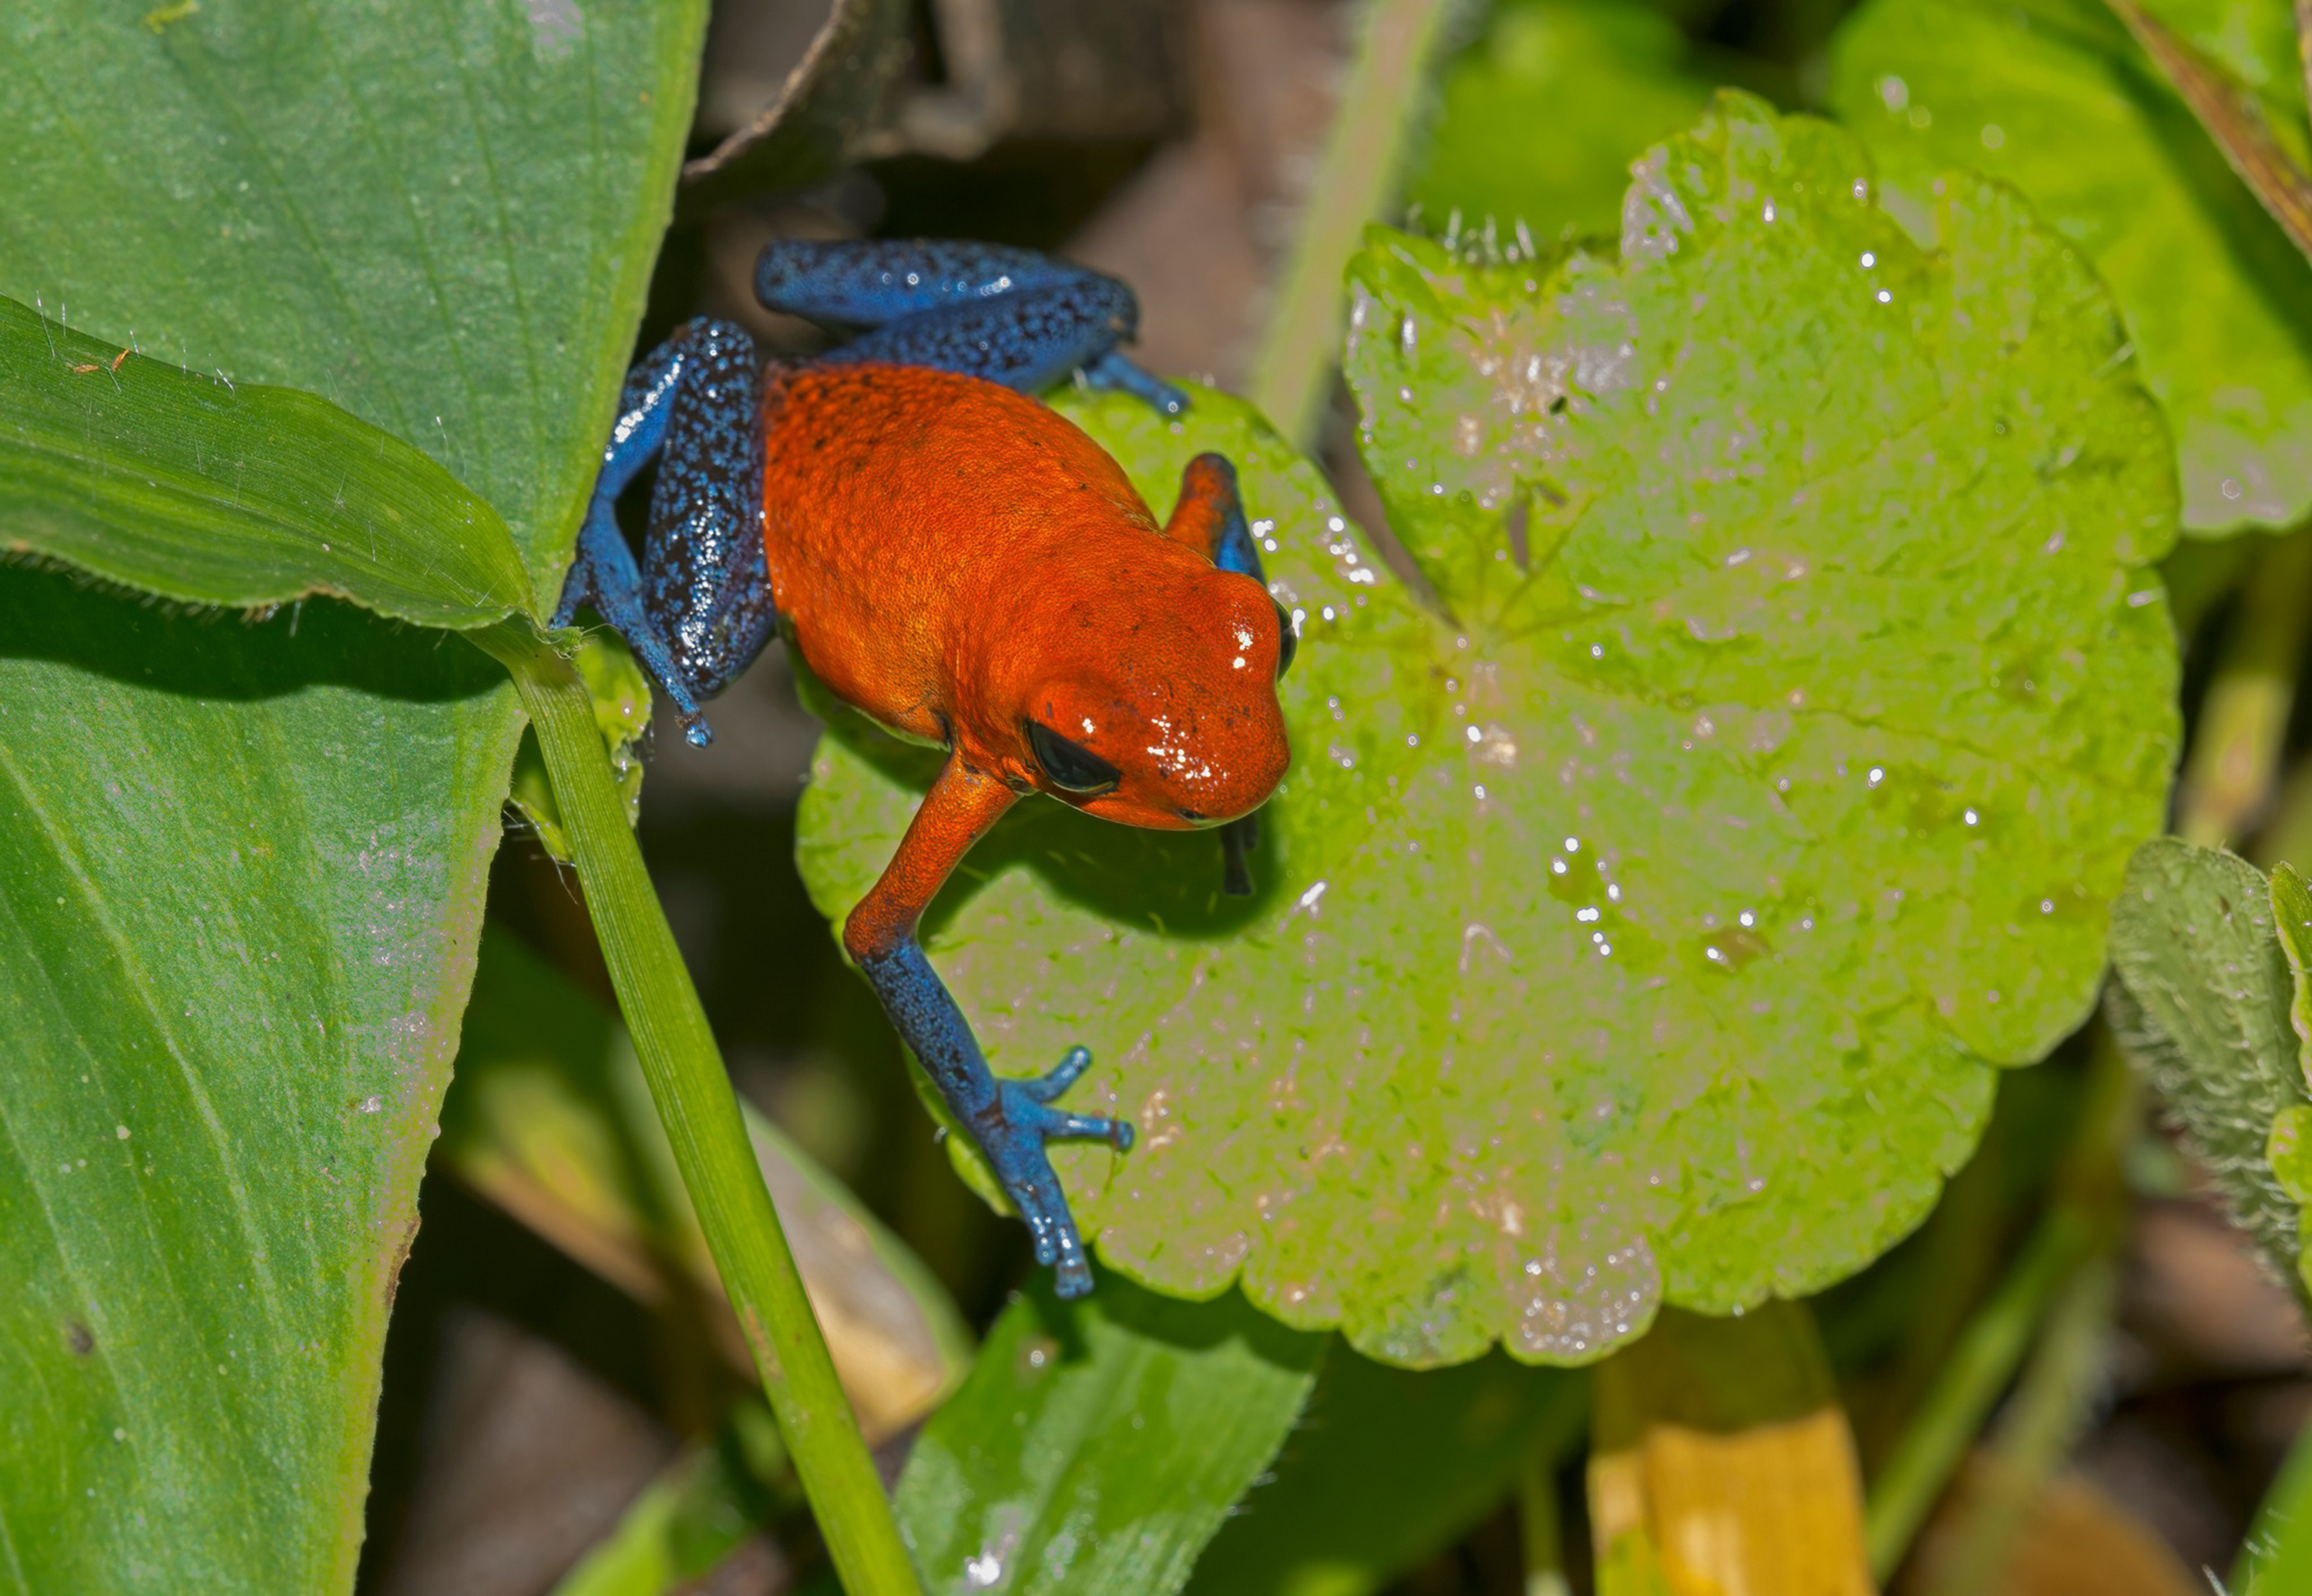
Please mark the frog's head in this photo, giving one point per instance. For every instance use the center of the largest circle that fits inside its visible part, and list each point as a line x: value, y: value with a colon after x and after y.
x: 1169, y: 717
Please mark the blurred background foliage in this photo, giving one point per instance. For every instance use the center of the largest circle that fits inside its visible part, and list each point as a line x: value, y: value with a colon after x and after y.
x: 2074, y: 1376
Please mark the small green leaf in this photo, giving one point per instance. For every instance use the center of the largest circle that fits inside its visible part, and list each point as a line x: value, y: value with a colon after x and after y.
x: 1603, y: 79
x: 1097, y: 1445
x: 622, y: 710
x: 2275, y: 1557
x: 2054, y: 96
x: 1389, y: 1467
x: 182, y: 485
x: 2202, y: 1001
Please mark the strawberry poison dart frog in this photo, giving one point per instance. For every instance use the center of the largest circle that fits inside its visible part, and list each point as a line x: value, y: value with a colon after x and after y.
x: 968, y: 569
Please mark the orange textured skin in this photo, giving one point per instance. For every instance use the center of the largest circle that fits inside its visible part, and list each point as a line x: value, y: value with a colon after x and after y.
x: 954, y: 558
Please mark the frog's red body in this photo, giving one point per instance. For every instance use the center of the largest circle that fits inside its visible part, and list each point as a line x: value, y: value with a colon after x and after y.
x: 954, y: 558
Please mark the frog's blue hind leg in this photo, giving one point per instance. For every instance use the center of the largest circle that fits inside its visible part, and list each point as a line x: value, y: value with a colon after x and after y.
x: 1011, y: 316
x: 697, y: 608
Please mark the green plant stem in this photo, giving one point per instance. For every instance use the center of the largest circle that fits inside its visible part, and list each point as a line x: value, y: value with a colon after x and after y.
x: 2040, y: 1424
x: 2234, y: 765
x: 1538, y: 1528
x: 1358, y: 175
x: 1989, y: 1351
x: 2074, y: 1235
x: 693, y: 1094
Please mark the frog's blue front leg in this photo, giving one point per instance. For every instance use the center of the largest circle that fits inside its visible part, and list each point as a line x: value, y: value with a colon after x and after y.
x: 1011, y: 316
x: 1210, y: 517
x: 697, y: 610
x: 1009, y: 1120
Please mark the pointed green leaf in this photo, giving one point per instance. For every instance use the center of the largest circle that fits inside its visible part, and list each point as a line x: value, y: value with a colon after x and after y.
x: 1097, y: 1445
x: 2054, y: 96
x: 241, y: 876
x: 1651, y: 933
x: 182, y: 485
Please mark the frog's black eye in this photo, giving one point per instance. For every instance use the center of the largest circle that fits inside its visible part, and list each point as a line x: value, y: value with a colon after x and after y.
x: 1285, y: 640
x: 1072, y: 767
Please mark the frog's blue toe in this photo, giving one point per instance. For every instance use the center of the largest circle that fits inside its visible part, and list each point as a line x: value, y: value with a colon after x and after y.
x: 1025, y: 1121
x: 1113, y: 368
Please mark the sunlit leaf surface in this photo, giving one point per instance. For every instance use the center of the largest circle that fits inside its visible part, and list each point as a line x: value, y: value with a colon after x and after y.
x: 1649, y: 930
x: 2054, y: 96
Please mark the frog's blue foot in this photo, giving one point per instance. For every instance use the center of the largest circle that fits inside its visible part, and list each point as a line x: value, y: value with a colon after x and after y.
x: 1013, y: 1139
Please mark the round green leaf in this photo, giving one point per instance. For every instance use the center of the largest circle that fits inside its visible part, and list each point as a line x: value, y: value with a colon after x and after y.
x: 1610, y: 78
x: 2055, y: 98
x: 1648, y: 930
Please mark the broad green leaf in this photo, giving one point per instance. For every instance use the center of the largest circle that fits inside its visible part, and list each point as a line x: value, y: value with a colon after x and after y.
x: 1651, y: 933
x: 2201, y: 1000
x: 242, y: 899
x: 2054, y: 97
x: 1388, y: 1467
x: 440, y: 220
x: 1097, y: 1445
x: 1537, y: 122
x: 241, y: 876
x: 549, y: 1118
x: 179, y: 484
